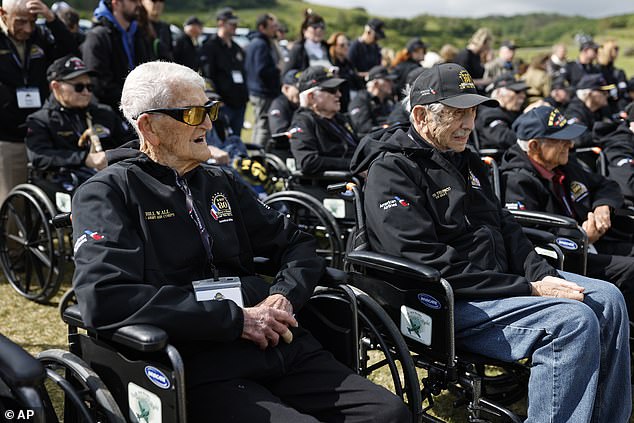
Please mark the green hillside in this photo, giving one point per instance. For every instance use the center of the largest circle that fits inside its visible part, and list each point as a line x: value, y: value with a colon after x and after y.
x: 533, y: 33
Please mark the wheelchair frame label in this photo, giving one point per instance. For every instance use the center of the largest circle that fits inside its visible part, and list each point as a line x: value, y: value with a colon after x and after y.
x: 157, y: 377
x: 429, y: 301
x: 567, y: 244
x: 145, y: 406
x: 416, y: 325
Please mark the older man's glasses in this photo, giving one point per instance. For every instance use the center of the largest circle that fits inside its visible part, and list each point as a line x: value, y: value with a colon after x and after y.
x: 190, y: 115
x: 79, y: 87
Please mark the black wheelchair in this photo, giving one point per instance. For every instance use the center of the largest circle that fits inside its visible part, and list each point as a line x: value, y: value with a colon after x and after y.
x: 33, y: 252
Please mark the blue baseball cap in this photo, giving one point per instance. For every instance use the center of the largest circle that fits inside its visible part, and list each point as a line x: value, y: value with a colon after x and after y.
x: 546, y: 122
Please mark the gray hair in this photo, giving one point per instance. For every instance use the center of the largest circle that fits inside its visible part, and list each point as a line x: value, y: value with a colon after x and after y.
x: 154, y: 85
x: 12, y: 5
x: 435, y: 109
x: 523, y: 144
x: 583, y: 94
x: 303, y: 96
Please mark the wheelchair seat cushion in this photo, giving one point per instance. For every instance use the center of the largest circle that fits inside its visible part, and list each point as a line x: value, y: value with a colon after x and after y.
x: 17, y: 367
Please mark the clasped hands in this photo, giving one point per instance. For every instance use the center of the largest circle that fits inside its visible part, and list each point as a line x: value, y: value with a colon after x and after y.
x: 269, y: 321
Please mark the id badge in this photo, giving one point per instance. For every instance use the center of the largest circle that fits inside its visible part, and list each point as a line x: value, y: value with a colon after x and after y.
x: 237, y: 77
x: 28, y: 98
x: 226, y: 288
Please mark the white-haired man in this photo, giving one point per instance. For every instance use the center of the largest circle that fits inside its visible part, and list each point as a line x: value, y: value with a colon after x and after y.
x: 159, y: 222
x: 27, y: 50
x: 510, y: 303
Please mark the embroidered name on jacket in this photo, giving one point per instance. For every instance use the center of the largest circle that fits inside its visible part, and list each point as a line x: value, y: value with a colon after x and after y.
x: 220, y: 209
x: 158, y: 214
x: 441, y: 193
x: 393, y: 203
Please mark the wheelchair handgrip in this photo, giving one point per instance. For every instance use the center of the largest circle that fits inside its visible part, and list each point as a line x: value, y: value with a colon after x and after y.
x: 17, y: 367
x: 63, y: 220
x: 395, y: 265
x: 341, y: 186
x: 543, y: 218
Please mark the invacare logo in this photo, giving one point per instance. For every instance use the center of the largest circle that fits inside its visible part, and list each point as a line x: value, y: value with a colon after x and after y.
x: 157, y: 377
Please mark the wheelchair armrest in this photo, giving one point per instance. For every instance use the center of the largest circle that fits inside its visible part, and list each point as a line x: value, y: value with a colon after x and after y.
x: 144, y: 338
x: 543, y: 218
x: 329, y: 175
x: 18, y: 367
x: 334, y: 277
x: 395, y: 265
x: 539, y: 235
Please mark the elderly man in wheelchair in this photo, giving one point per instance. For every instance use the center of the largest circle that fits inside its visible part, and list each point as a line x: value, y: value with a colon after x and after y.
x: 162, y: 240
x: 427, y: 199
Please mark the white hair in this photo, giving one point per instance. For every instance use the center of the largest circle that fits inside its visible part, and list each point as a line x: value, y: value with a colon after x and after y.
x: 499, y: 92
x: 12, y: 5
x: 434, y: 109
x: 303, y: 96
x: 583, y: 94
x: 523, y: 144
x: 154, y: 85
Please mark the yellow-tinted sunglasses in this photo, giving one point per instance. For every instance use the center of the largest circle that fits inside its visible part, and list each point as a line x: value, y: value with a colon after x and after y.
x: 191, y: 115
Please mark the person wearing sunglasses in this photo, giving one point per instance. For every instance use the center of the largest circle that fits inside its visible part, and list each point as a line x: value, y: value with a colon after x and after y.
x: 68, y: 116
x: 311, y: 49
x: 321, y: 137
x: 165, y: 222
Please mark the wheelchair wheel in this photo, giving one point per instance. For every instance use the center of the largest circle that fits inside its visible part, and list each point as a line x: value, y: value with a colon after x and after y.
x: 85, y: 397
x: 312, y: 217
x: 377, y: 332
x: 505, y: 384
x: 31, y: 250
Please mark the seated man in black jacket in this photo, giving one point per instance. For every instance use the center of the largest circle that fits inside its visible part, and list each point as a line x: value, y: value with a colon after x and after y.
x: 428, y: 199
x: 322, y: 139
x: 151, y: 225
x: 585, y: 107
x: 539, y: 175
x: 70, y: 131
x: 371, y: 108
x: 494, y: 123
x: 284, y: 105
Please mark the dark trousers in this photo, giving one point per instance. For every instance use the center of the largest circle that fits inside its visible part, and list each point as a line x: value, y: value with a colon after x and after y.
x: 616, y: 269
x: 297, y: 382
x: 236, y: 117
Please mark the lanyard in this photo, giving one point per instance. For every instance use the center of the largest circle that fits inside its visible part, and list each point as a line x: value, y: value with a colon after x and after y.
x: 24, y: 67
x: 342, y: 132
x: 560, y: 190
x: 200, y: 225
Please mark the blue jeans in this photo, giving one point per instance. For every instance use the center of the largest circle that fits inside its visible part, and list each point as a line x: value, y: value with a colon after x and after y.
x: 236, y: 117
x: 579, y: 351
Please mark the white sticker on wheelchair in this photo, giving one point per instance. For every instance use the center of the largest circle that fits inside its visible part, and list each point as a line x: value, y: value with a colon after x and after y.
x: 145, y: 406
x: 290, y: 164
x: 336, y: 206
x: 416, y: 325
x: 62, y: 201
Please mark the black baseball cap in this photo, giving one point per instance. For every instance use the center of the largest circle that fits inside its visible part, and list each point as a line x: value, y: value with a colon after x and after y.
x: 291, y: 77
x: 193, y: 20
x: 508, y: 44
x: 226, y: 14
x: 546, y: 122
x: 594, y: 81
x: 380, y: 72
x: 377, y: 26
x: 67, y: 67
x: 318, y: 76
x: 507, y: 80
x: 560, y: 83
x: 414, y: 44
x: 449, y: 84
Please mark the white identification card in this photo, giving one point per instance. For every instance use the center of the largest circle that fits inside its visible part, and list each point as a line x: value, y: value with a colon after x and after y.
x: 227, y: 288
x: 28, y: 98
x: 237, y: 77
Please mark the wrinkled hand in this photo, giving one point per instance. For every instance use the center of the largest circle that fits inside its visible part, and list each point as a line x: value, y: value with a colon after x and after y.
x: 590, y: 226
x: 84, y: 139
x: 96, y: 160
x: 37, y: 7
x: 551, y: 286
x: 602, y: 218
x: 265, y: 325
x: 220, y: 156
x: 279, y: 302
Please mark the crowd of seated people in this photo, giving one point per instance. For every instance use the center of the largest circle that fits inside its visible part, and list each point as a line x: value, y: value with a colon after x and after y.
x: 63, y: 113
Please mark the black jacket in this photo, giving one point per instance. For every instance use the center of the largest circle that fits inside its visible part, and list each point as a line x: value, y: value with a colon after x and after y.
x: 263, y: 76
x: 402, y: 70
x: 364, y: 56
x: 298, y: 58
x: 439, y: 209
x: 103, y: 51
x: 577, y: 112
x: 53, y: 132
x: 186, y: 53
x: 163, y: 43
x: 494, y: 127
x: 617, y: 142
x: 42, y: 48
x: 137, y: 250
x: 367, y: 113
x: 219, y: 62
x: 281, y: 114
x: 575, y: 71
x: 320, y: 144
x: 524, y: 185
